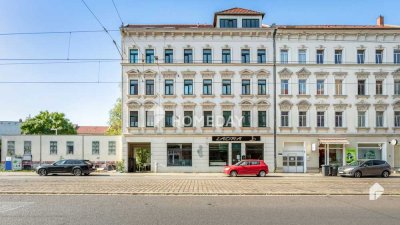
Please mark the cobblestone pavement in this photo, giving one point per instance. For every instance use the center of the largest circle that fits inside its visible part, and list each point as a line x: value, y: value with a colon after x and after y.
x: 193, y: 184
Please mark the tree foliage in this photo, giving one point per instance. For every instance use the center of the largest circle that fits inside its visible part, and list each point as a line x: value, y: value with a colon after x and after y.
x: 45, y: 123
x: 115, y: 120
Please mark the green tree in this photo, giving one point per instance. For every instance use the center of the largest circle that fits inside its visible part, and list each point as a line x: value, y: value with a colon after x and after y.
x: 142, y: 156
x: 46, y: 122
x: 115, y: 120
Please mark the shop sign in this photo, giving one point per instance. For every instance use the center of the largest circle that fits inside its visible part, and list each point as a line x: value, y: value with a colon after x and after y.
x: 236, y: 138
x: 350, y: 155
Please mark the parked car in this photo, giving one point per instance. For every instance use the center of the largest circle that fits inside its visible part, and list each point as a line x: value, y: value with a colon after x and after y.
x: 247, y: 167
x: 76, y: 167
x: 361, y: 168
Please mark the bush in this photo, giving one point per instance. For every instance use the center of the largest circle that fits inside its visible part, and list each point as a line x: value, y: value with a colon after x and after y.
x: 121, y: 166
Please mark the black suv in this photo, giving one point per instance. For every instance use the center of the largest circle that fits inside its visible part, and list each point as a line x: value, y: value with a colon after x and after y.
x: 76, y: 167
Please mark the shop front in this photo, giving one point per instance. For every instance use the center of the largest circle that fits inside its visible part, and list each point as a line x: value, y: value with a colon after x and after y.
x: 332, y: 151
x: 228, y: 150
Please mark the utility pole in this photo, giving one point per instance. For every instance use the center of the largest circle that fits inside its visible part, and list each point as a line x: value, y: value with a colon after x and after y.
x: 274, y: 83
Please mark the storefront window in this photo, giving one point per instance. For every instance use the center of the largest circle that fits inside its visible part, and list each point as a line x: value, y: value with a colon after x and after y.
x: 218, y: 154
x: 335, y: 154
x: 236, y: 152
x: 369, y: 151
x: 254, y: 151
x: 179, y: 154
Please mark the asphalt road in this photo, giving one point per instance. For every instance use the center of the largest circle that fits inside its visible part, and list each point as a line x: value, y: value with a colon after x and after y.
x: 201, y: 210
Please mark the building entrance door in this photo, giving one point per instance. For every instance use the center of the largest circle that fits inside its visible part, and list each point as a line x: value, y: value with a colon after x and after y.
x: 396, y: 153
x: 293, y: 162
x: 139, y: 157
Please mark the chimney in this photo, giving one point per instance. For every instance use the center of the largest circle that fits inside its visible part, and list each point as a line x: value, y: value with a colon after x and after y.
x: 380, y: 21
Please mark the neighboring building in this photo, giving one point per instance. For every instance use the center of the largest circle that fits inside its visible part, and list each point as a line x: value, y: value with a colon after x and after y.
x: 102, y: 150
x: 199, y: 97
x: 10, y: 128
x: 91, y: 130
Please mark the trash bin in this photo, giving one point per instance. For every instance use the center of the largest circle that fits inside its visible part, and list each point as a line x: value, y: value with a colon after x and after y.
x: 334, y: 170
x: 325, y: 170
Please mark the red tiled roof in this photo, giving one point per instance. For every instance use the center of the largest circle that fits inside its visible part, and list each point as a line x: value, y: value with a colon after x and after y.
x: 239, y: 11
x: 96, y: 130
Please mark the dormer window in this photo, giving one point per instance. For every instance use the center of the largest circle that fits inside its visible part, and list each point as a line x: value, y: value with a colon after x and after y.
x: 250, y: 23
x: 228, y: 23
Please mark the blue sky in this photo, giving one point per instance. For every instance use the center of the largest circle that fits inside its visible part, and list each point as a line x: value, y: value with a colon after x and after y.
x: 88, y: 104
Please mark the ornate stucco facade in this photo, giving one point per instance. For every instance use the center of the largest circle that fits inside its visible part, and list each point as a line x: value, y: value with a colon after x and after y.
x: 337, y: 93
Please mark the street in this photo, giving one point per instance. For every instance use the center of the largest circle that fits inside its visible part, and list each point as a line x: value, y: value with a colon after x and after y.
x: 204, y: 210
x: 194, y: 184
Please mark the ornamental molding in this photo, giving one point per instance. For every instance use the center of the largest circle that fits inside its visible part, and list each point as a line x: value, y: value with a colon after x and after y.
x: 133, y: 104
x: 321, y: 106
x: 362, y: 75
x: 339, y: 47
x: 208, y: 105
x: 381, y: 106
x: 285, y: 105
x: 263, y: 105
x: 361, y: 47
x: 379, y: 47
x: 189, y: 105
x: 246, y: 73
x: 321, y: 74
x: 149, y: 74
x: 246, y: 104
x: 262, y: 73
x: 149, y: 104
x: 226, y: 47
x: 340, y: 75
x: 380, y: 75
x: 340, y: 106
x: 303, y: 105
x: 207, y: 74
x: 169, y: 105
x: 188, y: 74
x: 134, y: 73
x: 303, y: 73
x: 362, y: 106
x: 169, y: 74
x: 226, y: 73
x: 396, y: 105
x: 285, y: 73
x: 227, y: 105
x: 396, y: 74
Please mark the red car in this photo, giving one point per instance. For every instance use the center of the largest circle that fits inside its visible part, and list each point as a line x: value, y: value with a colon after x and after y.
x: 247, y: 167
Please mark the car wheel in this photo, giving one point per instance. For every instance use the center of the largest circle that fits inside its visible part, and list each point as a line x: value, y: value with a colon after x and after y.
x: 43, y: 172
x: 262, y: 173
x: 358, y: 174
x: 385, y: 174
x: 77, y: 172
x: 233, y: 173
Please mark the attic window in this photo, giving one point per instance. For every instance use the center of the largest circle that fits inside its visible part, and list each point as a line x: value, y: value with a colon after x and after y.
x: 228, y: 23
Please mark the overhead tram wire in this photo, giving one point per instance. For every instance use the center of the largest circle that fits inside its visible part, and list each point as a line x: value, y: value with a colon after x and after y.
x: 119, y: 16
x: 55, y: 32
x: 104, y: 28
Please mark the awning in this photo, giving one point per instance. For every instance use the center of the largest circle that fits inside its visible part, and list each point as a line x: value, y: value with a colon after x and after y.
x: 342, y: 141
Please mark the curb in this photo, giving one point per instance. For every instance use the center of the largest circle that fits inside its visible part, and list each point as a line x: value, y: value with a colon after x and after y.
x: 191, y: 194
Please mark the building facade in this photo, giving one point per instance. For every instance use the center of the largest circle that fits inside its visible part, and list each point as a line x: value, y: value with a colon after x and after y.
x: 43, y: 149
x: 199, y: 97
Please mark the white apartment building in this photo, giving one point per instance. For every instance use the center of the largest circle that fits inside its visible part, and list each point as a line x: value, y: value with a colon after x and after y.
x: 200, y: 97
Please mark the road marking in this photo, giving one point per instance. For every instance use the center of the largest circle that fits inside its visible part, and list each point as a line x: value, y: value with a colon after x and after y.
x: 9, y: 206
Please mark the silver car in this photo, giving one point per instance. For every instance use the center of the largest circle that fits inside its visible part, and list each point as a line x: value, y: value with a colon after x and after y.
x: 362, y: 168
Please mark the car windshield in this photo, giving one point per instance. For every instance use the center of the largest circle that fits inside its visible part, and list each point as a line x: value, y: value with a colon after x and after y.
x: 355, y: 163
